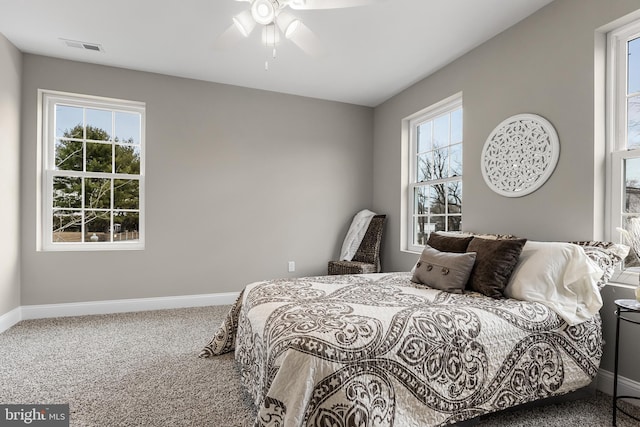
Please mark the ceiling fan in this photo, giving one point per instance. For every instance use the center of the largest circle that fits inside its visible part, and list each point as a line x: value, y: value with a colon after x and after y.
x: 277, y: 22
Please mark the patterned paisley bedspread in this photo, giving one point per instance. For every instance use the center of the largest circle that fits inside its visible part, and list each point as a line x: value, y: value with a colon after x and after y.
x: 375, y: 350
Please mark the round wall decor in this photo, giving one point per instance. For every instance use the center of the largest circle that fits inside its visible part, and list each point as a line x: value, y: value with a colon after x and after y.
x: 520, y: 155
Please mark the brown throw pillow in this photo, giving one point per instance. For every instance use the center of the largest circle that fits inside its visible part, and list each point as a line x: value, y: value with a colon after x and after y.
x: 446, y: 271
x: 449, y: 243
x: 495, y: 261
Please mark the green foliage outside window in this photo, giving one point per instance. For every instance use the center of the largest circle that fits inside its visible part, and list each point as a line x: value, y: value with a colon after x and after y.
x: 97, y: 154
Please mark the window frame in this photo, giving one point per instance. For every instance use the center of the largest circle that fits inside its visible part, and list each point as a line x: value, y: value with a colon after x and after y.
x: 47, y: 101
x: 410, y: 165
x: 616, y: 135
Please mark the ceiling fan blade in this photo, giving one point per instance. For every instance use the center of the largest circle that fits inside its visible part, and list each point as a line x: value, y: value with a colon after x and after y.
x: 306, y: 40
x: 230, y: 37
x: 328, y: 4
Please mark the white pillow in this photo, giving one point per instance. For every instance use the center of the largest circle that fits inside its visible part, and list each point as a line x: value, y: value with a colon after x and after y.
x: 559, y: 275
x: 356, y: 233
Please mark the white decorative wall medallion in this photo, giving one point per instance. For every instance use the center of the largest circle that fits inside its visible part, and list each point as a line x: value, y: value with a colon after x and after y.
x: 520, y: 155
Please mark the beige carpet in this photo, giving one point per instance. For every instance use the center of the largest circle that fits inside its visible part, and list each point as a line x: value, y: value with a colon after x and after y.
x: 142, y: 369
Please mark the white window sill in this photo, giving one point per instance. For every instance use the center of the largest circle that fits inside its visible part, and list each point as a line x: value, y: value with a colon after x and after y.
x: 410, y: 251
x: 92, y: 247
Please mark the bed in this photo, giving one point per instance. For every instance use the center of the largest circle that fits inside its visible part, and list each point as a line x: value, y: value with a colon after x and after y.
x: 386, y: 349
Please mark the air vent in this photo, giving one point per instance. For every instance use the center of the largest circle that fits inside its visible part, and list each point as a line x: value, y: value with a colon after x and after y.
x: 92, y: 46
x: 83, y: 45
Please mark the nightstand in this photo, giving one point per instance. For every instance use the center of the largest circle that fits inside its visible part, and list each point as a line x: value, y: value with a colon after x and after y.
x: 630, y: 307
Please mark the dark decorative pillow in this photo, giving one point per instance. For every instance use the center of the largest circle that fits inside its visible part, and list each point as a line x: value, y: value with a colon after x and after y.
x: 449, y: 243
x: 494, y: 236
x: 446, y: 271
x: 495, y: 261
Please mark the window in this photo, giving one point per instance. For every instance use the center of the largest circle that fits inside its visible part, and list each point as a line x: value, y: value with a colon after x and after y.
x: 434, y: 199
x: 92, y: 164
x: 623, y: 88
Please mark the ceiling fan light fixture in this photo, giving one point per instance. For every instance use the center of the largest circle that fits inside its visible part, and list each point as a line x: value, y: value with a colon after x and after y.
x: 244, y: 22
x: 263, y: 11
x: 288, y: 24
x: 291, y: 28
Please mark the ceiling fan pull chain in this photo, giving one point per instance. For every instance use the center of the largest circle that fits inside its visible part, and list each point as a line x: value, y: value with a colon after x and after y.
x: 266, y: 62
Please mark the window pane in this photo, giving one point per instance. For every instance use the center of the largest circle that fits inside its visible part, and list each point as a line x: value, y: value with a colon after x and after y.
x: 424, y: 137
x: 98, y: 124
x: 455, y: 160
x: 99, y: 157
x: 423, y: 172
x: 632, y: 238
x: 126, y: 226
x: 440, y: 163
x: 438, y: 223
x: 126, y: 194
x: 456, y: 126
x: 632, y: 185
x: 97, y: 193
x: 66, y: 226
x: 420, y: 195
x: 454, y: 197
x: 421, y: 230
x: 633, y: 122
x: 67, y: 192
x: 633, y: 71
x: 437, y: 199
x: 96, y: 226
x: 455, y: 223
x: 68, y: 155
x: 127, y: 128
x: 441, y: 131
x: 128, y: 159
x: 68, y: 121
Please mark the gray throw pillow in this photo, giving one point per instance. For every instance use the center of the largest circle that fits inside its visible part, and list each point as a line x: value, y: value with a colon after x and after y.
x: 446, y: 271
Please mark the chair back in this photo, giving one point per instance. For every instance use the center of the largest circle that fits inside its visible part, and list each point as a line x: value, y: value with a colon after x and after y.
x: 369, y: 249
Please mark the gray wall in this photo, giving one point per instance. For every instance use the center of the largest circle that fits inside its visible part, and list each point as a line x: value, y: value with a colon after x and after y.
x: 238, y: 182
x: 544, y: 65
x: 10, y: 82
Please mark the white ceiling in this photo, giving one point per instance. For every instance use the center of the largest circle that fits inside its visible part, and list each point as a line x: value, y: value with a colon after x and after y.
x: 370, y: 53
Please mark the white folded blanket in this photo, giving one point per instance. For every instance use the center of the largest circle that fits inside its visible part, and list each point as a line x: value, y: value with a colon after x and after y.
x: 355, y: 234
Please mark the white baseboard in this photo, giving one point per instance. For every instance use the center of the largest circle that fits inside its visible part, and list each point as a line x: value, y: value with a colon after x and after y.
x: 112, y: 306
x: 9, y: 319
x: 626, y: 386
